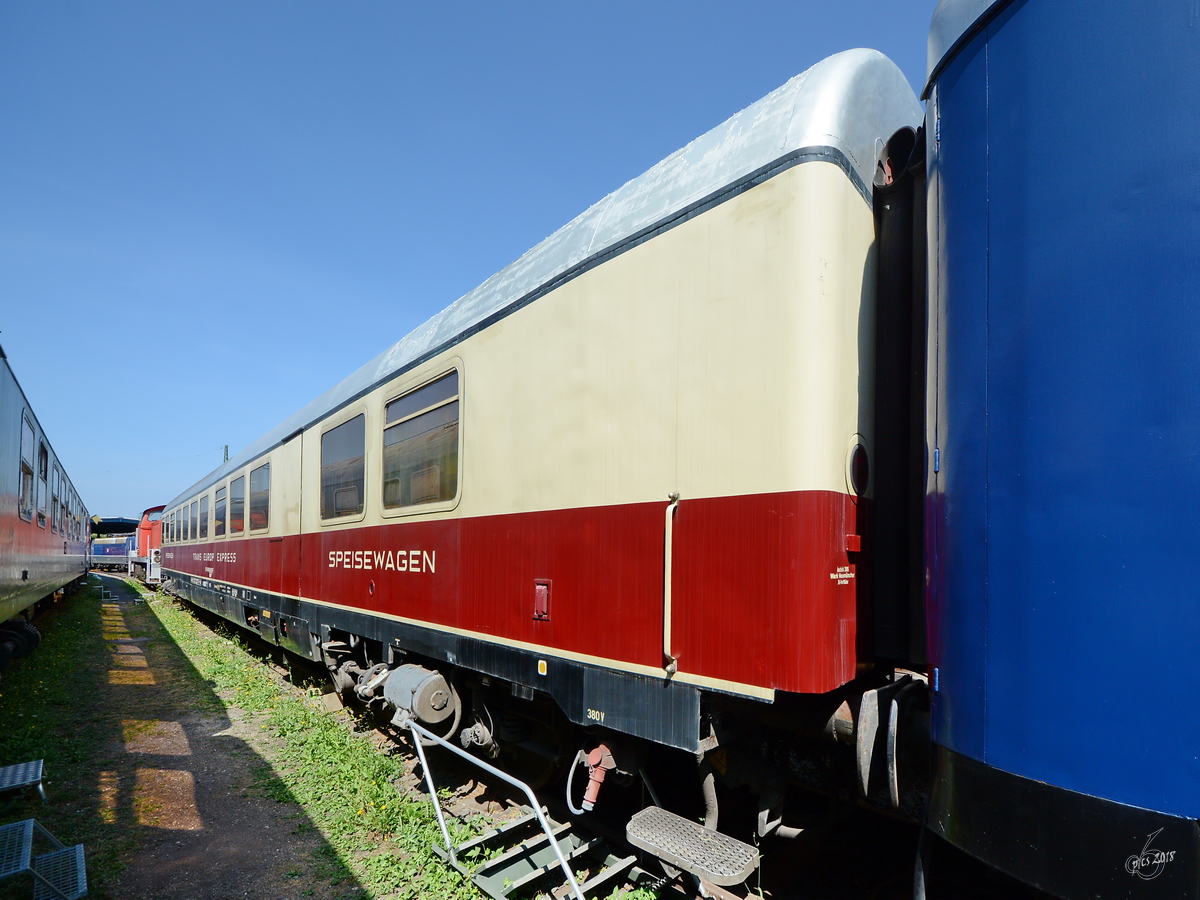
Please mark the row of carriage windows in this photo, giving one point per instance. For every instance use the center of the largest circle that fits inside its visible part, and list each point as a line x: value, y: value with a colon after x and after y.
x: 420, y: 467
x: 191, y: 522
x: 420, y: 453
x: 44, y: 493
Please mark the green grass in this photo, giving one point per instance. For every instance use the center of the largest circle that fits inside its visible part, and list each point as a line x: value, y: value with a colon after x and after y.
x: 44, y: 718
x: 322, y: 761
x: 60, y: 705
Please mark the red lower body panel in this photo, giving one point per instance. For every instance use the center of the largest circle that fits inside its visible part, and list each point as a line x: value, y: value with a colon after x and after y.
x: 762, y: 591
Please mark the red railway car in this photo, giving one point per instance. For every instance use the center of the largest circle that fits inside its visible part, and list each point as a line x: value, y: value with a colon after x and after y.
x: 146, y: 562
x: 624, y: 483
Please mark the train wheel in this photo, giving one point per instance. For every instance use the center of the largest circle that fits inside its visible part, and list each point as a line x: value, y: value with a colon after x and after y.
x: 23, y: 637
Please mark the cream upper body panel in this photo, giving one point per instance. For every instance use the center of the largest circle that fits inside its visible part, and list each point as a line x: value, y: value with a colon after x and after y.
x: 828, y: 124
x: 723, y: 357
x: 719, y: 358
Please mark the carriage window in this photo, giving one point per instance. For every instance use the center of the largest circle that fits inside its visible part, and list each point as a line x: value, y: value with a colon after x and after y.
x: 343, y: 450
x: 168, y: 521
x: 195, y: 530
x: 237, y: 505
x: 25, y: 501
x: 420, y: 445
x: 42, y: 487
x: 54, y: 500
x: 204, y: 517
x: 260, y: 497
x: 219, y: 513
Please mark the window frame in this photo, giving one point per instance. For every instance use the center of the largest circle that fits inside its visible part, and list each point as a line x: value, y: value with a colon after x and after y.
x: 204, y: 516
x: 55, y: 487
x: 26, y: 492
x: 221, y: 496
x: 342, y: 417
x: 411, y: 383
x: 250, y: 495
x: 241, y: 532
x: 41, y: 482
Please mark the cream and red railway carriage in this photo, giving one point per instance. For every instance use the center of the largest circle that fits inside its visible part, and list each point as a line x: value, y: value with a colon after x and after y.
x: 625, y: 473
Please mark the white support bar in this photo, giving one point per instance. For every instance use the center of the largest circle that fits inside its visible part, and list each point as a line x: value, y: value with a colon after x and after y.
x: 420, y: 732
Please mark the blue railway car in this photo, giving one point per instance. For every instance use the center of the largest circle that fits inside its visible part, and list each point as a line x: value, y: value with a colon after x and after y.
x: 1063, y: 491
x: 113, y: 552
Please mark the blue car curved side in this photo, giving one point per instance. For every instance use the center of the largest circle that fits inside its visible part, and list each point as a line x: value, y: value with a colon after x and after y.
x: 1064, y: 416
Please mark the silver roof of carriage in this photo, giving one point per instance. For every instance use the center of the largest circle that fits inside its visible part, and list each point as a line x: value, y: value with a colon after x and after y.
x: 838, y: 111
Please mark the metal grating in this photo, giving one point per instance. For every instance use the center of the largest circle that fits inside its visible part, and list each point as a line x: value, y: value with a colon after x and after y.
x: 21, y: 775
x: 16, y: 844
x: 713, y: 856
x: 64, y: 874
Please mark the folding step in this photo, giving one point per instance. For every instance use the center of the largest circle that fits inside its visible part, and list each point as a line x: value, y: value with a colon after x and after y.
x: 688, y: 845
x: 518, y: 865
x: 612, y: 871
x: 60, y: 875
x: 16, y: 847
x: 20, y: 775
x: 551, y: 865
x: 526, y: 821
x: 526, y: 860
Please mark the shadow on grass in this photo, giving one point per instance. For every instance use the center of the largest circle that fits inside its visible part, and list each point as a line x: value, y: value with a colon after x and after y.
x: 147, y: 768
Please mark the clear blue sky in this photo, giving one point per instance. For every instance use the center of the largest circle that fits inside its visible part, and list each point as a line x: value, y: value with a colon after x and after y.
x: 212, y: 212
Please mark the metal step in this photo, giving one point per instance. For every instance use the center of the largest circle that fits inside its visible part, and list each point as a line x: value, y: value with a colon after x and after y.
x: 555, y: 852
x: 16, y: 848
x: 688, y: 845
x: 529, y: 820
x: 28, y: 774
x: 60, y: 875
x: 57, y: 875
x: 531, y: 861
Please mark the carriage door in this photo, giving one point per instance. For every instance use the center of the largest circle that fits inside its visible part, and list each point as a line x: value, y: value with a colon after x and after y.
x: 285, y: 550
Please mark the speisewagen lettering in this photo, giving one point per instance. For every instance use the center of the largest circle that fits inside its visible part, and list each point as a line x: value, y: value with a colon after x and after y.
x: 395, y: 560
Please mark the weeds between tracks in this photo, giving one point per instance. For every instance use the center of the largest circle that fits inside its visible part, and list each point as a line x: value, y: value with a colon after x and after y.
x: 324, y: 763
x: 68, y: 704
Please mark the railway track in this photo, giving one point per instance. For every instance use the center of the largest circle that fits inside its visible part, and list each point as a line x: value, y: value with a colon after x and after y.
x: 844, y: 853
